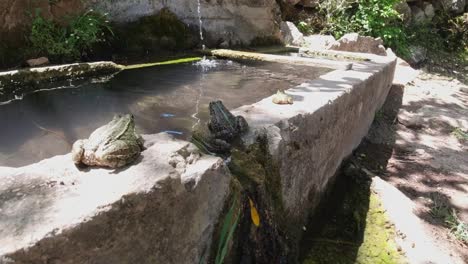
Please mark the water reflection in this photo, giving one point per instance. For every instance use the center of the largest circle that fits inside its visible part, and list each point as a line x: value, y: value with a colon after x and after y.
x: 46, y: 123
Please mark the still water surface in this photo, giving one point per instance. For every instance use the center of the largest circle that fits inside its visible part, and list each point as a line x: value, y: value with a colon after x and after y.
x: 165, y: 98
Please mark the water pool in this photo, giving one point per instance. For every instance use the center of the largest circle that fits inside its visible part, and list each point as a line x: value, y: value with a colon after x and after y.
x: 163, y: 98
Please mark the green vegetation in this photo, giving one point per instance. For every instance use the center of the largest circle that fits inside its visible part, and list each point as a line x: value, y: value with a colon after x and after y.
x: 70, y: 42
x: 458, y: 228
x: 443, y: 34
x: 304, y: 27
x: 227, y: 231
x: 378, y: 18
x: 442, y: 211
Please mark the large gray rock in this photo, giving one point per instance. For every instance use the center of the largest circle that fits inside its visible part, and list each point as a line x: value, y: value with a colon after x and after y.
x: 417, y: 55
x: 231, y: 21
x: 353, y: 42
x: 291, y: 35
x: 162, y: 209
x: 234, y: 21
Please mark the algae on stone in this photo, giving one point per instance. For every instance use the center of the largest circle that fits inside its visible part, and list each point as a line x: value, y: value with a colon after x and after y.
x: 258, y: 182
x: 351, y: 228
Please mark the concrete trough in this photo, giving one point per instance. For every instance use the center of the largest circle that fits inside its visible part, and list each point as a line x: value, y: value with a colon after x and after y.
x: 164, y: 208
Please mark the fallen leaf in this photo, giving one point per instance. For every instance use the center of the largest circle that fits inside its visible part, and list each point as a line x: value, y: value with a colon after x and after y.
x: 254, y: 214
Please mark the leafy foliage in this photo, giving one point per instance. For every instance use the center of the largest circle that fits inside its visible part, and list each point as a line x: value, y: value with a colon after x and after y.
x: 376, y: 18
x: 82, y: 32
x: 452, y: 31
x: 304, y: 27
x: 458, y: 228
x: 338, y: 15
x: 227, y: 231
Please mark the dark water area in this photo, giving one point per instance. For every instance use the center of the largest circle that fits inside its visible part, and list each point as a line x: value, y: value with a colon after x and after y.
x: 165, y: 98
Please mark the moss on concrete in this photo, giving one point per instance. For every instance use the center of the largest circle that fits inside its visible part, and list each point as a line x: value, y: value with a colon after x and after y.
x: 333, y: 55
x: 259, y: 181
x: 353, y: 228
x: 17, y: 83
x: 254, y: 167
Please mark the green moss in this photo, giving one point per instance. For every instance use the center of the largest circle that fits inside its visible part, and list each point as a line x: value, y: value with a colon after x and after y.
x: 355, y: 229
x: 28, y: 80
x: 255, y: 168
x: 169, y: 62
x: 259, y: 180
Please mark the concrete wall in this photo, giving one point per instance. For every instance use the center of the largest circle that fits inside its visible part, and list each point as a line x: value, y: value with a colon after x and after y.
x: 328, y: 119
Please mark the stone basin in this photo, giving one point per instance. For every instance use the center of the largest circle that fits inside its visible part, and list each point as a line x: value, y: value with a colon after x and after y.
x: 164, y: 208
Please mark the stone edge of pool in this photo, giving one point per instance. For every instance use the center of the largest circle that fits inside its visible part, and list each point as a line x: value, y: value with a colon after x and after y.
x: 164, y: 208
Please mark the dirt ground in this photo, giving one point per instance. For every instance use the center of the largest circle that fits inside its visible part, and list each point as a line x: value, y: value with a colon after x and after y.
x: 419, y: 144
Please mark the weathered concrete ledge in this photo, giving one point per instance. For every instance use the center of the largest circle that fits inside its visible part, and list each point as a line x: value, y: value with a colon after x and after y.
x: 253, y: 56
x: 161, y: 210
x: 309, y: 139
x: 18, y: 82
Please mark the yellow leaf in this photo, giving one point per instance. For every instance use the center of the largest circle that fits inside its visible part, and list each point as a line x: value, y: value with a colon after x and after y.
x: 254, y: 213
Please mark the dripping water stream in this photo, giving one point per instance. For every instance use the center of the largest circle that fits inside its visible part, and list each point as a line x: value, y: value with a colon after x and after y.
x: 205, y: 64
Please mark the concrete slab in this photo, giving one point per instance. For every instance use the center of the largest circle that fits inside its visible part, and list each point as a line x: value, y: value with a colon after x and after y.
x: 162, y: 209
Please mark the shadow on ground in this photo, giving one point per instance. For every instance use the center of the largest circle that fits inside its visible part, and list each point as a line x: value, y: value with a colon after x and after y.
x: 347, y: 226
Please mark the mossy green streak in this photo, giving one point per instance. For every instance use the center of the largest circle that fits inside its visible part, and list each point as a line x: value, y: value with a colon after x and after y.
x: 354, y: 228
x: 169, y: 62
